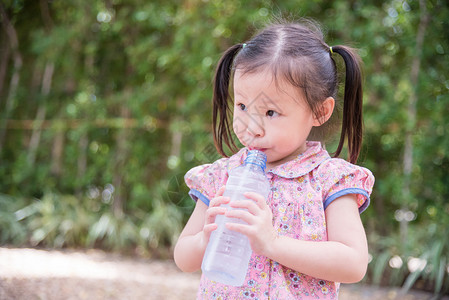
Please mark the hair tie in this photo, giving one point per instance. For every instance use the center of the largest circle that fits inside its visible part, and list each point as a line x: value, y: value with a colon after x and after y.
x: 244, y: 45
x: 330, y: 49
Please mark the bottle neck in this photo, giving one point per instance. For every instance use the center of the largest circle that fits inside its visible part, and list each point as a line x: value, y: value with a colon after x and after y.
x: 256, y: 160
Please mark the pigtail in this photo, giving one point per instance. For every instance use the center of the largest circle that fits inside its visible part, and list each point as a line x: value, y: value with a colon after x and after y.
x: 222, y: 125
x: 352, y: 126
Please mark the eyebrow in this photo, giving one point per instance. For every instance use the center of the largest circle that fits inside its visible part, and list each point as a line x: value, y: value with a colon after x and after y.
x: 239, y: 93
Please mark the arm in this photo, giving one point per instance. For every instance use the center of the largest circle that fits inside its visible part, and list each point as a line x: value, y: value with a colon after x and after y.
x: 192, y: 243
x: 343, y: 258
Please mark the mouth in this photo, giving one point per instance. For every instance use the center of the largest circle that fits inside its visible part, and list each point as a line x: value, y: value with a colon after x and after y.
x: 257, y: 148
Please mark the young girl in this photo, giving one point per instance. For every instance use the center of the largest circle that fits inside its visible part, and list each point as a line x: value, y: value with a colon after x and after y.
x: 307, y: 237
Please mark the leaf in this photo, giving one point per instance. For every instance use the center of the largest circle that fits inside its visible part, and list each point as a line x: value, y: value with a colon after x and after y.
x: 379, y: 267
x: 411, y: 279
x: 440, y: 277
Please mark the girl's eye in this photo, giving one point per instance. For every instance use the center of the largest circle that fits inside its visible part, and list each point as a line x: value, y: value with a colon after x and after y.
x: 242, y: 106
x: 272, y: 113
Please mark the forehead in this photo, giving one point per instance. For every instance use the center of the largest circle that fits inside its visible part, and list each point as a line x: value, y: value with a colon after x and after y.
x: 242, y: 77
x: 264, y: 81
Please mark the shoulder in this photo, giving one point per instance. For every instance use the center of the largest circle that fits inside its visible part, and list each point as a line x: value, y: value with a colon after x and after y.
x: 339, y: 177
x: 217, y: 168
x: 208, y: 178
x: 337, y: 167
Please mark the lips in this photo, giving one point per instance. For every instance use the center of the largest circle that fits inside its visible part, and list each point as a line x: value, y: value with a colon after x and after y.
x: 257, y: 148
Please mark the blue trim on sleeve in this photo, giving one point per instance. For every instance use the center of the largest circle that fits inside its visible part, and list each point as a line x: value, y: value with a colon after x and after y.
x: 195, y: 195
x: 347, y: 192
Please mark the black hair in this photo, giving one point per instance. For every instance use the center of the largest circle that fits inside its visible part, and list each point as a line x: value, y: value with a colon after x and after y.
x: 295, y: 52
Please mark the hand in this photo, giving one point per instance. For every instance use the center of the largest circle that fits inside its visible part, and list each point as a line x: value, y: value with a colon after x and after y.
x: 212, y: 211
x: 259, y: 218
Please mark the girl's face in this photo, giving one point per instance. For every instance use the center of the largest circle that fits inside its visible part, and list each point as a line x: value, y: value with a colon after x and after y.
x: 271, y: 116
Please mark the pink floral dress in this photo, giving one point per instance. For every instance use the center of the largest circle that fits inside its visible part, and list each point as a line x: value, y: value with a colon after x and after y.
x: 301, y: 190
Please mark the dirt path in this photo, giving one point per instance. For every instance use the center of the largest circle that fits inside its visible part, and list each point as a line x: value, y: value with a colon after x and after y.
x: 40, y: 274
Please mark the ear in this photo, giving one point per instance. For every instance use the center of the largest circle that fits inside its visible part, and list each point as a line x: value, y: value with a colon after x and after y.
x: 325, y: 112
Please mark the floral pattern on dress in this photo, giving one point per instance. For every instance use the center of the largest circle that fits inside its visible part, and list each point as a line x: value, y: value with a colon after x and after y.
x: 301, y: 189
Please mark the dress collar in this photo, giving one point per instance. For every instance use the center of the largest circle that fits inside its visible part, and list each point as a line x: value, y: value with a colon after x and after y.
x: 301, y: 165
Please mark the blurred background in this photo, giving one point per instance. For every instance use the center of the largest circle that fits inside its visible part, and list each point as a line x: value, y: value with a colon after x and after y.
x: 105, y: 104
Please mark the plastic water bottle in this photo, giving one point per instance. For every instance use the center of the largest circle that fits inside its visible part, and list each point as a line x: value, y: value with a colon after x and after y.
x: 228, y: 252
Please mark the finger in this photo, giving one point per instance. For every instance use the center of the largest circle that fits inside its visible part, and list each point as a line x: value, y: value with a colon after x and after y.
x: 249, y: 205
x: 220, y: 191
x: 257, y: 198
x: 207, y: 231
x: 242, y: 228
x: 212, y: 212
x: 217, y: 201
x: 243, y: 215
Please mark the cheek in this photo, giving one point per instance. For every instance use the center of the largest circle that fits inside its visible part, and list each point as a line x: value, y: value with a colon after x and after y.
x: 290, y: 134
x: 238, y: 124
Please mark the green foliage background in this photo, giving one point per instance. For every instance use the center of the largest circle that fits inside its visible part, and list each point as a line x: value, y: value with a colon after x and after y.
x: 105, y: 105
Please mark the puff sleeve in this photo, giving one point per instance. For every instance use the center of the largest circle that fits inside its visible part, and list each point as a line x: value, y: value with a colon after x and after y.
x: 340, y: 178
x: 205, y: 180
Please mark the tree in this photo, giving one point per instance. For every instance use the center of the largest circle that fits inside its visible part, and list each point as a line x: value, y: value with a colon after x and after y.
x: 110, y: 101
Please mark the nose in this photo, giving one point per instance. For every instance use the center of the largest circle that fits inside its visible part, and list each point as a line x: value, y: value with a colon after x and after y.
x: 255, y: 127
